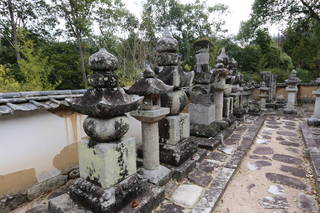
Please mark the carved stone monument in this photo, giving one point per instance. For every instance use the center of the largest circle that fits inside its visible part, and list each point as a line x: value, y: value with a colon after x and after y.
x: 107, y: 160
x: 174, y: 128
x: 149, y: 114
x: 292, y: 90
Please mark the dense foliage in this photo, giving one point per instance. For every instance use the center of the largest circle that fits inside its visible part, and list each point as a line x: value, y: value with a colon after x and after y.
x: 46, y: 44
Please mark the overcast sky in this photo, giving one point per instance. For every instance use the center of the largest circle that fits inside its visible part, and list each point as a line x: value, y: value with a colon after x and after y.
x: 239, y: 11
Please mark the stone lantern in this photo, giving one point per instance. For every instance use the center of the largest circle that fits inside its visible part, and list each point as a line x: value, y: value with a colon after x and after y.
x: 315, y: 119
x: 263, y: 95
x: 107, y: 160
x: 219, y: 73
x: 149, y: 114
x: 292, y: 89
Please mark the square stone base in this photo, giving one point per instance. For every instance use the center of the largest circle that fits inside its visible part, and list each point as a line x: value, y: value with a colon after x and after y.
x: 201, y: 114
x: 107, y: 164
x: 174, y: 128
x: 159, y: 176
x: 144, y: 202
x: 177, y: 154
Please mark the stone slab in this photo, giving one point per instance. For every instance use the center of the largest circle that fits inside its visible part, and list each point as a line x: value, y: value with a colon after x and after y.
x: 276, y: 202
x: 288, y: 181
x: 263, y: 151
x: 187, y: 195
x: 158, y: 176
x: 293, y: 171
x: 287, y: 159
x: 199, y: 177
x: 307, y: 203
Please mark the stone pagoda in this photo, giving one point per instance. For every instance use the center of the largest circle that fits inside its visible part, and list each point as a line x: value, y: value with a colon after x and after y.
x: 202, y: 108
x: 107, y: 160
x: 315, y: 119
x: 263, y: 95
x: 174, y: 128
x: 149, y: 114
x: 292, y: 90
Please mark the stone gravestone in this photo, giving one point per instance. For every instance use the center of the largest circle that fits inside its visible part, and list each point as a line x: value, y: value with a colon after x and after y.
x: 149, y: 114
x: 174, y: 128
x: 107, y: 160
x: 292, y: 89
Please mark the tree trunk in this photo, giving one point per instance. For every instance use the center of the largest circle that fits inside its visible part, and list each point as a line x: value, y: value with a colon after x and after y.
x: 83, y: 68
x: 14, y: 31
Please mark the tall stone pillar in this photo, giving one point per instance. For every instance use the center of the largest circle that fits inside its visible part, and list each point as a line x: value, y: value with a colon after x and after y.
x: 149, y: 114
x: 263, y: 96
x: 315, y: 119
x: 175, y: 128
x: 220, y: 72
x: 292, y: 90
x: 107, y: 160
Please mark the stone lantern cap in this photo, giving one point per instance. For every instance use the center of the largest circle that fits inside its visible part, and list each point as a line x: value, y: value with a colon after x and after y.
x: 105, y: 99
x: 221, y: 66
x: 201, y: 44
x: 167, y: 43
x: 149, y: 85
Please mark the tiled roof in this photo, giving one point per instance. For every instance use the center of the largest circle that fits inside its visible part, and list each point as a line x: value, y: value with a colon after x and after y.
x: 33, y: 100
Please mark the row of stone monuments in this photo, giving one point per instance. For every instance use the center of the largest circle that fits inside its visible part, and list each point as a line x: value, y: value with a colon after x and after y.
x: 110, y: 180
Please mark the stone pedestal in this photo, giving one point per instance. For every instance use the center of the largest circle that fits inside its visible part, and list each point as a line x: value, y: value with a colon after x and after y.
x: 315, y: 119
x: 218, y: 100
x: 106, y: 164
x: 292, y: 100
x: 263, y: 96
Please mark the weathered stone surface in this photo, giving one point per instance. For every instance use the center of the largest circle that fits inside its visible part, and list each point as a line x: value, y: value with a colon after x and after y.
x: 106, y: 130
x: 63, y: 204
x: 46, y: 186
x: 175, y: 101
x: 38, y: 209
x: 200, y: 178
x: 273, y: 127
x: 187, y: 195
x: 167, y: 59
x: 167, y: 43
x: 105, y: 103
x: 286, y: 180
x: 287, y: 133
x: 103, y: 61
x: 307, y: 203
x: 158, y: 176
x: 205, y: 143
x: 218, y: 156
x: 255, y: 157
x: 204, y: 130
x: 213, y: 193
x: 208, y: 165
x: 276, y: 202
x: 169, y: 207
x: 286, y: 143
x: 287, y: 159
x: 258, y: 165
x: 175, y: 155
x: 9, y: 202
x: 263, y: 151
x: 201, y: 114
x: 293, y: 150
x: 120, y: 158
x: 98, y: 199
x: 292, y: 170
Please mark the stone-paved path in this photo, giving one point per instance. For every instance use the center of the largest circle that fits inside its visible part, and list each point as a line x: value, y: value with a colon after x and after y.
x: 274, y: 176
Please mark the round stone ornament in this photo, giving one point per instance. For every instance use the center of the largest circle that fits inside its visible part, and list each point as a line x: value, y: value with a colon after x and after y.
x: 167, y: 43
x: 106, y: 130
x: 103, y: 61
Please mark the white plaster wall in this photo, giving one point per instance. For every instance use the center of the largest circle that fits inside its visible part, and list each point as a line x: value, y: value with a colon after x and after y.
x: 33, y: 139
